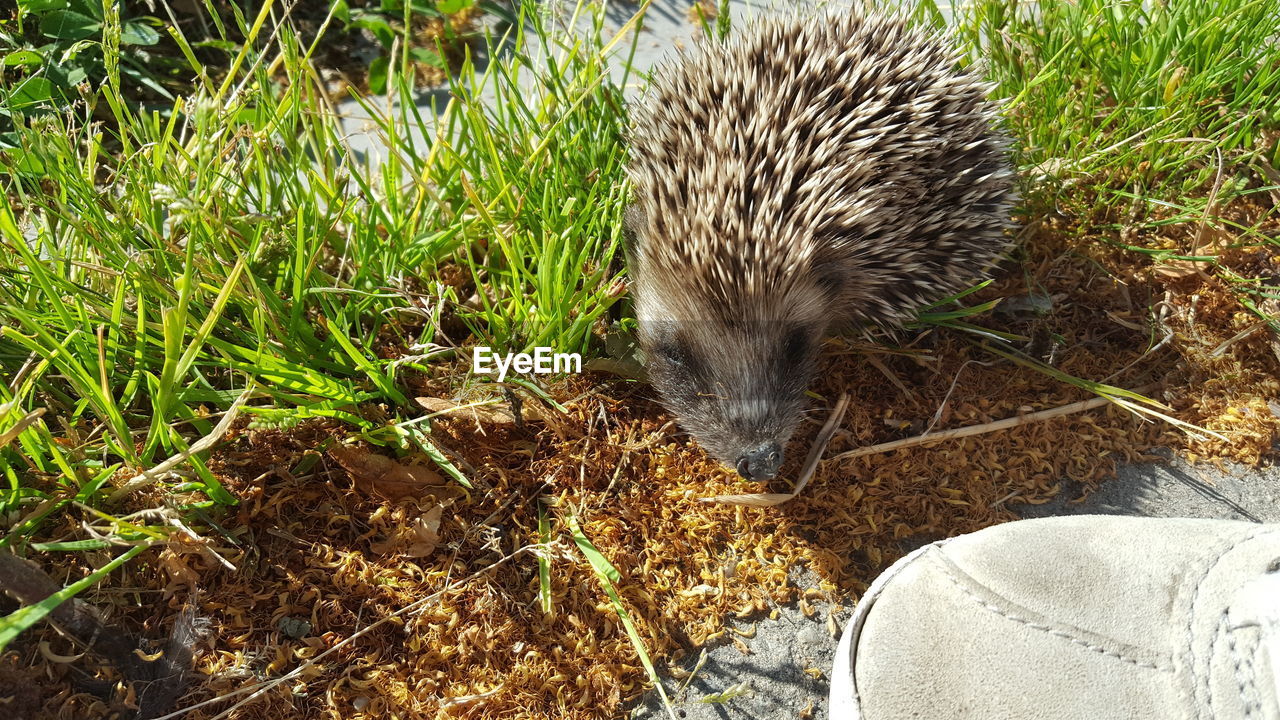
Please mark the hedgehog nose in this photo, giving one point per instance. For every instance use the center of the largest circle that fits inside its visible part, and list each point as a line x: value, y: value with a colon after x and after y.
x: 761, y: 463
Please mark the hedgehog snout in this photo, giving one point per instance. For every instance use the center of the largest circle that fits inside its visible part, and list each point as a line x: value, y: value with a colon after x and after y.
x: 760, y: 463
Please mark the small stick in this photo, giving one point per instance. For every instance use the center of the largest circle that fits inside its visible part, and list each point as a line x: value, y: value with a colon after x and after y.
x: 810, y: 464
x: 1242, y: 335
x: 975, y: 429
x: 258, y: 689
x: 147, y: 477
x: 27, y: 421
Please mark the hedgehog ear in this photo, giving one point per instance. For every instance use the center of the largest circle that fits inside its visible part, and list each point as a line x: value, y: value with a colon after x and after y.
x: 633, y: 223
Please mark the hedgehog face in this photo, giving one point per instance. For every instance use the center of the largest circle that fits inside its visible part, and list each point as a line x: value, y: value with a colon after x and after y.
x: 737, y: 385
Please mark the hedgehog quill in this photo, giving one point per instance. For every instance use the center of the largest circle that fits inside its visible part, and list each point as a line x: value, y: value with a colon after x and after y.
x: 811, y: 174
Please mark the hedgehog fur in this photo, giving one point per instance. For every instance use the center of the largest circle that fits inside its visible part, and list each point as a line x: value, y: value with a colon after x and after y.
x: 810, y: 173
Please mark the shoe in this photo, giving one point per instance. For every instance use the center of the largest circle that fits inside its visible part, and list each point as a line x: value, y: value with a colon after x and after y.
x: 1086, y: 617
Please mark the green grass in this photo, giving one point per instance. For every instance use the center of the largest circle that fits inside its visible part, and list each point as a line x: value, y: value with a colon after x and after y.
x: 1142, y: 125
x: 149, y: 274
x: 1140, y: 106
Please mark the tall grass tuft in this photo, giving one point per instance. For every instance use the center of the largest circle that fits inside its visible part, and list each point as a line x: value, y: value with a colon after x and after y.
x: 1170, y: 104
x: 152, y: 272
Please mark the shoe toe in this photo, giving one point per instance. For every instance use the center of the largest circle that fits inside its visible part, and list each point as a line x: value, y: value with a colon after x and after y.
x: 1080, y: 617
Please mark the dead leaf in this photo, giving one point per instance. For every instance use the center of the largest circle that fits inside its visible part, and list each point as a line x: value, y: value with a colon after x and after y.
x: 1178, y: 269
x: 833, y: 627
x: 1270, y: 308
x: 1272, y: 175
x: 1211, y: 244
x: 751, y: 500
x: 468, y: 699
x: 385, y: 476
x: 483, y: 414
x: 180, y: 575
x: 145, y: 657
x: 427, y: 531
x: 700, y: 591
x: 1127, y: 320
x: 29, y: 419
x: 55, y: 658
x: 417, y: 539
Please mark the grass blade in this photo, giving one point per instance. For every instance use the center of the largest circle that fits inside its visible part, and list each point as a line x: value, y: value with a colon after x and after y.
x: 609, y: 578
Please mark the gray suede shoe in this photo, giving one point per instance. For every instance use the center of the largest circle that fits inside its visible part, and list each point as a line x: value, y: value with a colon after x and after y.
x: 1090, y: 617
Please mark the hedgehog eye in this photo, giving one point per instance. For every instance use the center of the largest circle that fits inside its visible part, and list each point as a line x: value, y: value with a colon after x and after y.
x: 831, y: 281
x: 672, y: 352
x: 795, y: 348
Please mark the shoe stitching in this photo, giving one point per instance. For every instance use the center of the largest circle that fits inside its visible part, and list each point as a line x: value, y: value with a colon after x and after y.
x: 1244, y: 674
x: 1213, y: 645
x: 1076, y: 640
x: 1201, y: 685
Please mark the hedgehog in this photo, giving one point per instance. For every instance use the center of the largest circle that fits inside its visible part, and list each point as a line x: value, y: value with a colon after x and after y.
x: 809, y: 176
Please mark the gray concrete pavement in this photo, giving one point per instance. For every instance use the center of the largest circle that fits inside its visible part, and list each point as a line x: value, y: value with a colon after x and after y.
x: 1176, y: 489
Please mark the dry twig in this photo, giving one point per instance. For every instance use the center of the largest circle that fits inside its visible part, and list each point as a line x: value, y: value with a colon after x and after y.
x: 148, y: 477
x: 257, y: 690
x: 982, y: 429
